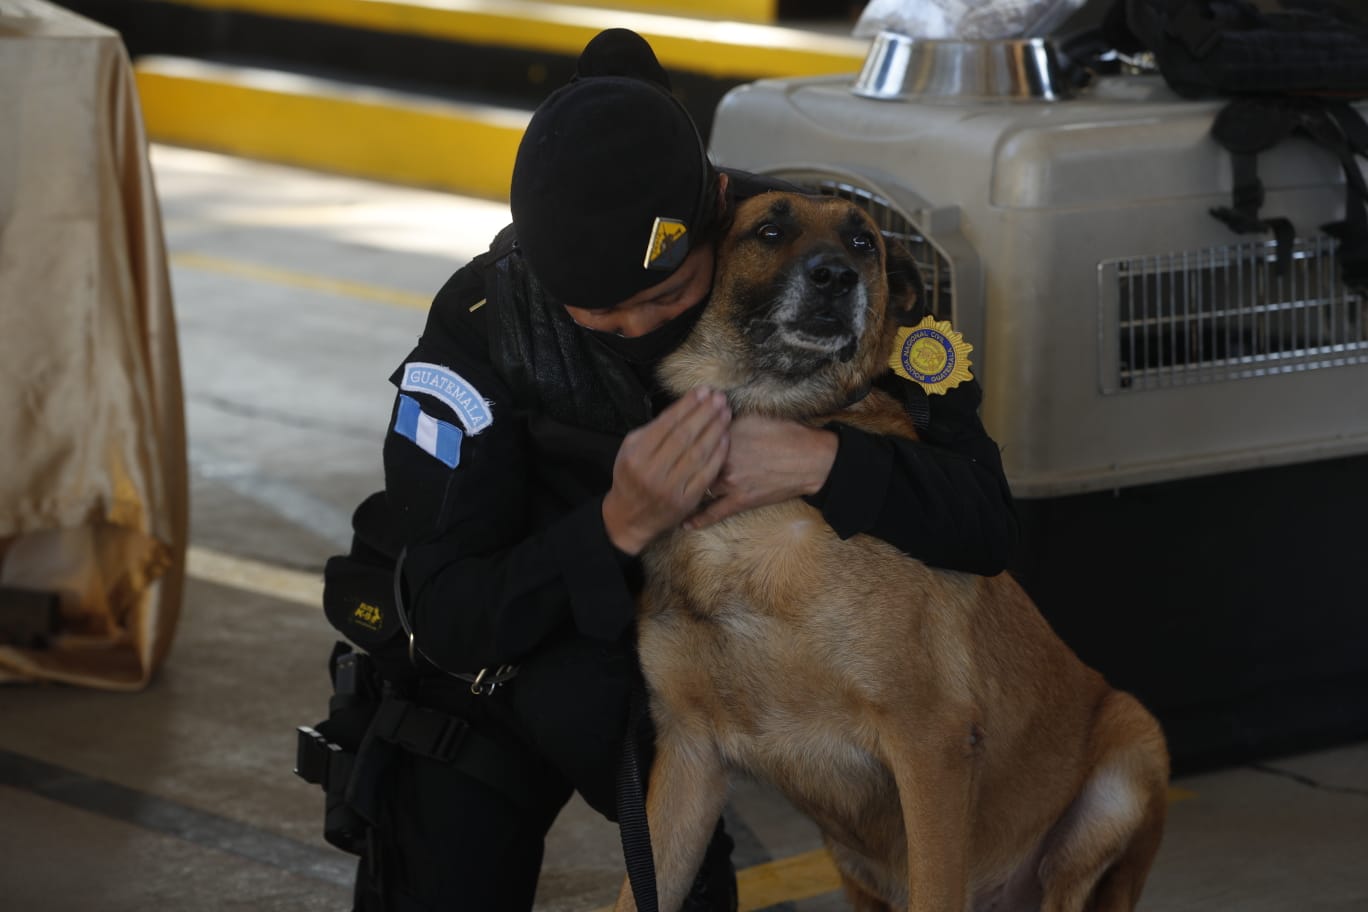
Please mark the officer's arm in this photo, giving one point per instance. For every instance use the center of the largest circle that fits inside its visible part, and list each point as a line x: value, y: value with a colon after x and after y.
x: 484, y: 587
x: 487, y: 575
x: 943, y: 500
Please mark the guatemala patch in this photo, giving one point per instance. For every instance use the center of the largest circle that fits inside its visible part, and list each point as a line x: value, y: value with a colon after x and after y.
x: 434, y: 437
x: 451, y: 388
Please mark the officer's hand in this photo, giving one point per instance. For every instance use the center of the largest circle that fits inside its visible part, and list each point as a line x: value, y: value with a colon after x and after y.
x: 664, y: 468
x: 769, y: 460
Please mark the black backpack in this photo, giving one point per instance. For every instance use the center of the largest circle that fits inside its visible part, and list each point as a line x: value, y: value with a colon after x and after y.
x: 1290, y: 72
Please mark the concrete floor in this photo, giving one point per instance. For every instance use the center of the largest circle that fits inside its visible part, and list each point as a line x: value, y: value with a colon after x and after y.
x: 297, y: 294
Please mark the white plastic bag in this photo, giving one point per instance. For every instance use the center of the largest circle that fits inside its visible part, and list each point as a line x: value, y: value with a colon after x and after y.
x: 964, y: 20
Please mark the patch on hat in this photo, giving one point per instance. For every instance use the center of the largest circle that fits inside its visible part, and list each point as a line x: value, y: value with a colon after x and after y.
x: 668, y: 246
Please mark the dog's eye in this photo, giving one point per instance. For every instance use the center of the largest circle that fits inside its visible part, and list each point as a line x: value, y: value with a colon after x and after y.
x: 769, y: 232
x: 863, y: 241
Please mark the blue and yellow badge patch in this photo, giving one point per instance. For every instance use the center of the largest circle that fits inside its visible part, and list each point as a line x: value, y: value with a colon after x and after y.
x: 668, y: 245
x: 932, y: 354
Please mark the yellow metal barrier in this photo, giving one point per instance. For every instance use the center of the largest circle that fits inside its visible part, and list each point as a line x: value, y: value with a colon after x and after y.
x: 739, y: 50
x: 739, y: 10
x: 317, y: 124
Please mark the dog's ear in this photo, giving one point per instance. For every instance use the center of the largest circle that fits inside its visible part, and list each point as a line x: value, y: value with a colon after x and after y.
x: 907, y: 302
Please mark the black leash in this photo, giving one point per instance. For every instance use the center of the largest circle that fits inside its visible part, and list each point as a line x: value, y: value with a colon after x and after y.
x: 631, y: 807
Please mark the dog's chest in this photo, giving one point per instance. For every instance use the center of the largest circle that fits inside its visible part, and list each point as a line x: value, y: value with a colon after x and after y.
x: 763, y: 562
x: 740, y: 626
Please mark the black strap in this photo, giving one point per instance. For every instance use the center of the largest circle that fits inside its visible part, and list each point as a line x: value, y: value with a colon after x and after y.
x: 1352, y: 123
x: 917, y: 403
x: 631, y: 807
x: 419, y: 730
x: 1248, y: 192
x: 449, y: 739
x: 1341, y: 129
x: 1246, y: 127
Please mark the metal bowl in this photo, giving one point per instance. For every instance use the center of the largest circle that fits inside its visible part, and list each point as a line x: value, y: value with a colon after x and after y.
x: 904, y: 68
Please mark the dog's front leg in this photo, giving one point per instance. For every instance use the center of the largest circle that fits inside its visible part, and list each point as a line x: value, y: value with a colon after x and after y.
x: 934, y: 770
x: 684, y: 799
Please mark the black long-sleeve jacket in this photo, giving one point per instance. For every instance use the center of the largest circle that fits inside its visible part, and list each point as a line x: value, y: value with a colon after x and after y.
x: 501, y: 495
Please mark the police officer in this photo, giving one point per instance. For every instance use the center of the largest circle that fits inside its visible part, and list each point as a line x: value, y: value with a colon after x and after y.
x: 531, y: 458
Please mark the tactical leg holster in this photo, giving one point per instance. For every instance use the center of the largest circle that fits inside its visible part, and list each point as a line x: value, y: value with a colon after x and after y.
x: 329, y: 753
x: 368, y: 721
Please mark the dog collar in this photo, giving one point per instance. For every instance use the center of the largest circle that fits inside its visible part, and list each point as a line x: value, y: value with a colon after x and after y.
x: 857, y: 396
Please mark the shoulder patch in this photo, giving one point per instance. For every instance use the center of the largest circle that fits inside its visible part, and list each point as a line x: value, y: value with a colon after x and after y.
x: 433, y: 436
x: 452, y: 389
x: 931, y: 354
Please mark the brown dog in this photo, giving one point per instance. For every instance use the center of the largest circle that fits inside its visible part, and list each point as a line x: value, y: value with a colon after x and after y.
x: 955, y: 753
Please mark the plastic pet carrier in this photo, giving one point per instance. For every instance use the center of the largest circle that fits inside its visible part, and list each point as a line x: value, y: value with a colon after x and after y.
x: 1184, y: 423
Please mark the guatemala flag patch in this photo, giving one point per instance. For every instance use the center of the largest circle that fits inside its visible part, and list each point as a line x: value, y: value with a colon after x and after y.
x: 435, y: 437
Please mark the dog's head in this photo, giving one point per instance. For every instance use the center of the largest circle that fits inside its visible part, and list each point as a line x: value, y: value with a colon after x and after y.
x: 806, y: 296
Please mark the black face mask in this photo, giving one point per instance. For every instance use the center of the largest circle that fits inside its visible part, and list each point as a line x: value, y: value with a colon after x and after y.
x: 654, y: 345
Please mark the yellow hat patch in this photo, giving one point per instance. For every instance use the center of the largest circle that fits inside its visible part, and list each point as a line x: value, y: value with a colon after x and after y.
x: 667, y: 246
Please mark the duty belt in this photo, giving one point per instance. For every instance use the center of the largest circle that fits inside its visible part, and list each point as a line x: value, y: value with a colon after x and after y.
x: 422, y: 731
x: 512, y: 770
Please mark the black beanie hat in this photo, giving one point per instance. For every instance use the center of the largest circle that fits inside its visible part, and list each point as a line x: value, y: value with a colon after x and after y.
x: 610, y: 184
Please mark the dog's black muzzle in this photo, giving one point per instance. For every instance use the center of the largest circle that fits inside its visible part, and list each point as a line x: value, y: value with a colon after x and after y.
x: 828, y: 305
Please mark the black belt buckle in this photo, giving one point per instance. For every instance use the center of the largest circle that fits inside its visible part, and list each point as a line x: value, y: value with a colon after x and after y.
x: 449, y: 739
x: 419, y: 730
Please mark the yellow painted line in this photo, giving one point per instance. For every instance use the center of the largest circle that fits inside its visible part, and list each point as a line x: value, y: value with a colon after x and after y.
x: 273, y: 275
x: 317, y: 124
x: 740, y: 50
x: 787, y: 880
x: 812, y: 874
x: 254, y: 576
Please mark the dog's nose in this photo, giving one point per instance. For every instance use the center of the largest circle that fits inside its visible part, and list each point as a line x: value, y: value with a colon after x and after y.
x: 830, y: 274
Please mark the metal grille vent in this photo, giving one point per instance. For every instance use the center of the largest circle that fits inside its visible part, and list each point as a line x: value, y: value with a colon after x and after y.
x: 933, y: 265
x: 1223, y: 313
